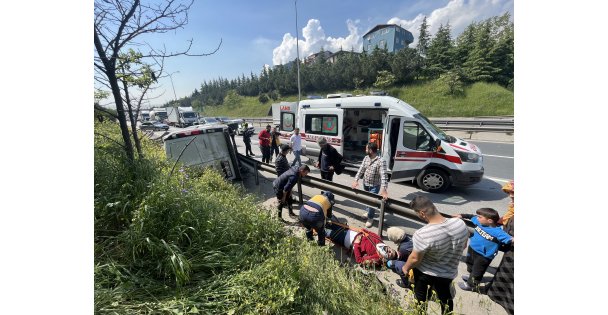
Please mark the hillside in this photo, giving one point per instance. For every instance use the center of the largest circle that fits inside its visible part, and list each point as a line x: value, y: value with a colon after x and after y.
x: 479, y: 99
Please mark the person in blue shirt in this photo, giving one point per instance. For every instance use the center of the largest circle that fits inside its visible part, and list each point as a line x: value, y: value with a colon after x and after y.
x: 483, y: 245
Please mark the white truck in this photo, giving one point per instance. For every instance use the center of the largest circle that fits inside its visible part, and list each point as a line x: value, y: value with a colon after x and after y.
x: 414, y: 148
x: 204, y: 146
x: 158, y: 114
x: 144, y: 115
x: 182, y: 116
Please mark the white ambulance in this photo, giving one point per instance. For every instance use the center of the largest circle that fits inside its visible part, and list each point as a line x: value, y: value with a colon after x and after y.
x: 414, y: 148
x: 204, y: 146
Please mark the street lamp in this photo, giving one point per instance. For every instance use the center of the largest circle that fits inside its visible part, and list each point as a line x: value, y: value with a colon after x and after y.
x: 171, y: 77
x: 297, y: 51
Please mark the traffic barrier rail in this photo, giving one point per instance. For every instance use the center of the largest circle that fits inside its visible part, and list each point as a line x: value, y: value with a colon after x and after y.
x: 370, y: 199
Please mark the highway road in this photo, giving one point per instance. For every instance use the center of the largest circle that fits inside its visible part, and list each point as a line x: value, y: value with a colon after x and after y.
x: 498, y: 165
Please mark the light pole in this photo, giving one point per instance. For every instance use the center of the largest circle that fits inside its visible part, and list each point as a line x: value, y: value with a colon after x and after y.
x: 173, y: 86
x: 297, y: 51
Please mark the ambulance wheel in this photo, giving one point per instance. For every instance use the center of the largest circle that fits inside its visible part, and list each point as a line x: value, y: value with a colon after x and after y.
x: 433, y: 180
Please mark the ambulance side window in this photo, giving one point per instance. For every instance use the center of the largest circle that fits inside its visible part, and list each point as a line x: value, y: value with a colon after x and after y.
x: 287, y: 121
x: 415, y: 137
x: 321, y: 124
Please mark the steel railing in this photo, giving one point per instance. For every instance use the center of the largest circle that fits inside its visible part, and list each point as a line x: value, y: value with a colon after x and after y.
x: 370, y: 199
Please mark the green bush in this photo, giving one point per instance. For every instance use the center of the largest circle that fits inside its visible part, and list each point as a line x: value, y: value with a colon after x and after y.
x: 191, y: 242
x: 263, y: 98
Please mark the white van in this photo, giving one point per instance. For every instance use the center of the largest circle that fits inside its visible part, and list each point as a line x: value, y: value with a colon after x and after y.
x: 413, y: 146
x: 211, y: 147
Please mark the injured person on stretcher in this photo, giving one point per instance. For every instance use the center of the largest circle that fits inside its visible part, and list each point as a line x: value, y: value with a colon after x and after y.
x: 367, y: 246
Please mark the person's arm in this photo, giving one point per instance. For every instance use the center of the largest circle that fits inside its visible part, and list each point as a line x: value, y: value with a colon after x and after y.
x: 359, y: 173
x: 412, y: 261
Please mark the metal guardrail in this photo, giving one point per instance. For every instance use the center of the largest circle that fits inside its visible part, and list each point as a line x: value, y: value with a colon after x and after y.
x: 473, y: 125
x: 370, y: 199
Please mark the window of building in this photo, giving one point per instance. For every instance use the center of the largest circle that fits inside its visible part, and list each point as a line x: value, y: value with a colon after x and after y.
x: 415, y: 137
x: 382, y: 44
x: 321, y: 124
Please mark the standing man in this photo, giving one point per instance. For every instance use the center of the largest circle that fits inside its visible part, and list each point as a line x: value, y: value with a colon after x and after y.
x: 296, y: 146
x: 436, y: 254
x: 281, y: 164
x: 373, y: 171
x: 329, y: 159
x: 264, y: 137
x: 275, y: 142
x: 284, y: 184
x: 247, y: 139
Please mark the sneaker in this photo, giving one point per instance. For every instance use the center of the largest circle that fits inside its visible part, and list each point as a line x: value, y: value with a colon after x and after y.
x: 369, y: 223
x: 465, y: 278
x: 401, y: 284
x: 464, y: 286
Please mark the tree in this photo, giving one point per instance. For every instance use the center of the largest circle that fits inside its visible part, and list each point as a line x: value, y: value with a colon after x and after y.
x: 440, y: 52
x: 117, y: 25
x: 424, y: 38
x: 479, y: 66
x: 384, y: 80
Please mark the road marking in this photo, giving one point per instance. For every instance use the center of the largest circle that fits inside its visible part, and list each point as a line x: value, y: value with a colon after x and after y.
x: 497, y: 179
x: 499, y: 156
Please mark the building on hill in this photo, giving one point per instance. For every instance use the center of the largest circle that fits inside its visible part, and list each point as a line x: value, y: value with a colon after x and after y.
x: 390, y: 36
x: 335, y: 56
x: 317, y: 57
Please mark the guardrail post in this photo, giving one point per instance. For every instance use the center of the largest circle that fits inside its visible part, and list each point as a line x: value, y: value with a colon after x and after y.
x: 381, y: 219
x: 255, y: 170
x: 300, y: 198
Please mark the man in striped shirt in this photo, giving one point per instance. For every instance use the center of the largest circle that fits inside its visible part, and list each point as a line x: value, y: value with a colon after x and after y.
x: 373, y: 170
x: 436, y: 254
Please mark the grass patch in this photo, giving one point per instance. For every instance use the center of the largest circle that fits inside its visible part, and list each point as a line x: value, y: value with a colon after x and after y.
x: 479, y: 99
x: 193, y: 243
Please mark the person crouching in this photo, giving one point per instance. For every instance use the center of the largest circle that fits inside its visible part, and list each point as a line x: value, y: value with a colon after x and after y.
x: 313, y: 214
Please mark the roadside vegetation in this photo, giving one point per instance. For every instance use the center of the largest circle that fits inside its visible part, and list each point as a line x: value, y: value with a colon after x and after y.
x: 188, y: 242
x: 431, y: 98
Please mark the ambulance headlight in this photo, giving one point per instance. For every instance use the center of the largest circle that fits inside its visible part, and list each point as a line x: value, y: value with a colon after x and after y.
x: 468, y: 156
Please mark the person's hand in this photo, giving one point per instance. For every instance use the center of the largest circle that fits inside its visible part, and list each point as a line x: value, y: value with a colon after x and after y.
x: 331, y: 168
x: 390, y: 264
x: 317, y: 165
x: 384, y: 194
x: 355, y: 184
x: 457, y: 216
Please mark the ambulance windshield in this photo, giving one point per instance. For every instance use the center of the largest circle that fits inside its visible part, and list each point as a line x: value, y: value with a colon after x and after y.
x: 430, y: 127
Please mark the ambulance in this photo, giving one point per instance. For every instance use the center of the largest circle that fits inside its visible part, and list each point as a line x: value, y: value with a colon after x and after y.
x: 204, y: 146
x: 414, y: 148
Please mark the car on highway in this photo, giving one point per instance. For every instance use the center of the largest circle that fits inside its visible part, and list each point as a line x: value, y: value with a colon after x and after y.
x: 208, y: 121
x: 153, y: 125
x: 241, y: 129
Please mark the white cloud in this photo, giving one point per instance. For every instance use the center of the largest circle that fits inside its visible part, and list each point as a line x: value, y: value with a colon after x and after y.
x: 313, y: 40
x: 458, y: 13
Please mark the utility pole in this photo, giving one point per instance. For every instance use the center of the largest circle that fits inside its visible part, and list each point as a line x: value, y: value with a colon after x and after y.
x: 298, y: 51
x: 173, y: 86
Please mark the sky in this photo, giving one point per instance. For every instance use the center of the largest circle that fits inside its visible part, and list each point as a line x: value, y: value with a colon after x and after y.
x: 259, y: 33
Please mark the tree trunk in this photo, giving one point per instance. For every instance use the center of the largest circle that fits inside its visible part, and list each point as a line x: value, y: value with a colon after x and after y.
x: 122, y: 120
x: 133, y: 120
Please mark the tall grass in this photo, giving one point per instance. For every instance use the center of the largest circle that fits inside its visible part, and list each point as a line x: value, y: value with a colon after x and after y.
x: 479, y: 99
x: 194, y: 243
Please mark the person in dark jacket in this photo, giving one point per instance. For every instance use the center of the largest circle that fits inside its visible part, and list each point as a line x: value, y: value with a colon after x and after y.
x: 329, y: 159
x: 281, y: 163
x: 313, y: 214
x: 283, y: 185
x: 247, y: 139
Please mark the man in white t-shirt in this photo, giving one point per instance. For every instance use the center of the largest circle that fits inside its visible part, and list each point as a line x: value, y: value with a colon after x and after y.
x: 436, y: 254
x: 296, y: 146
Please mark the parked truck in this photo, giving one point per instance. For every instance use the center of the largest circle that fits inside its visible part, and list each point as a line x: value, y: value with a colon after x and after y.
x: 204, y: 146
x: 144, y: 115
x: 181, y: 116
x: 158, y: 114
x: 413, y: 147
